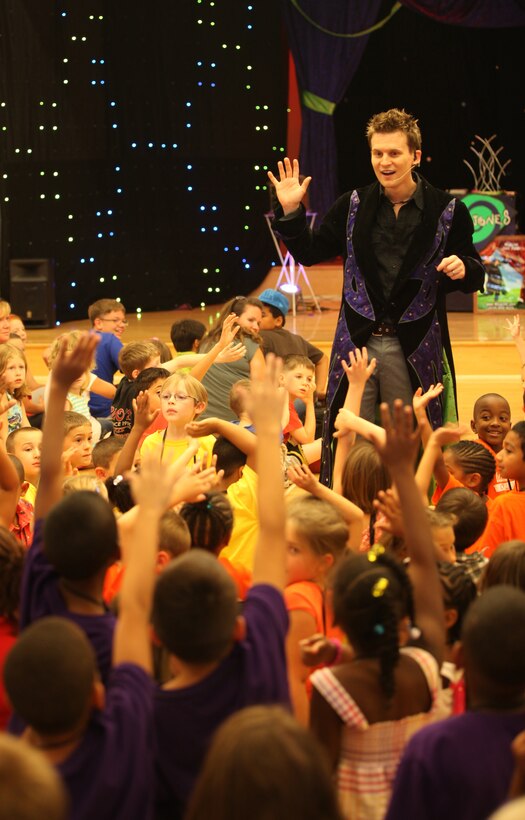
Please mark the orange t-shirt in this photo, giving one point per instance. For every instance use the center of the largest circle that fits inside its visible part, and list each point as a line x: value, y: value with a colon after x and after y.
x: 451, y: 484
x: 241, y: 576
x: 506, y: 522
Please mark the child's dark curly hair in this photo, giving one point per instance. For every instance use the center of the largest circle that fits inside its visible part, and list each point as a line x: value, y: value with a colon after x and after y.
x: 210, y: 521
x: 371, y: 593
x: 473, y: 457
x: 459, y: 590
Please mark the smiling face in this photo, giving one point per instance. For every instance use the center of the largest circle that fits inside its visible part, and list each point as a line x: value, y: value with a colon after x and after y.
x: 491, y: 420
x: 392, y: 161
x: 112, y: 322
x: 250, y: 319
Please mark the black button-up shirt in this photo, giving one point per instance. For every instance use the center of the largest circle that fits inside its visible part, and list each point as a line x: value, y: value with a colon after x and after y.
x: 391, y: 236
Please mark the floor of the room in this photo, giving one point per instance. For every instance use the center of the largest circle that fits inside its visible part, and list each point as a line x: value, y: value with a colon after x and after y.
x: 485, y: 357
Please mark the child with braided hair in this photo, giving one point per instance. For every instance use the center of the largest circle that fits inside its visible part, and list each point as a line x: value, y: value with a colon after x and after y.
x: 365, y: 710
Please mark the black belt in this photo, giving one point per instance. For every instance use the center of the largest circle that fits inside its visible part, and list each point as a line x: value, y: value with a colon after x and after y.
x: 385, y: 329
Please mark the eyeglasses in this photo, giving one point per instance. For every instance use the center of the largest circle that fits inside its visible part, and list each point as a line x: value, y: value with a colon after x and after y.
x: 176, y: 397
x: 115, y: 321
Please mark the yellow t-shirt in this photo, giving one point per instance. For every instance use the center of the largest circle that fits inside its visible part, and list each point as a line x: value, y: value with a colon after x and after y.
x: 242, y: 495
x: 30, y: 494
x: 173, y: 449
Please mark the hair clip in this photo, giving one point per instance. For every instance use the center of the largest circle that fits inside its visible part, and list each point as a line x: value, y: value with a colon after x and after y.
x: 117, y: 480
x: 209, y: 506
x: 378, y: 590
x: 379, y: 629
x: 374, y: 552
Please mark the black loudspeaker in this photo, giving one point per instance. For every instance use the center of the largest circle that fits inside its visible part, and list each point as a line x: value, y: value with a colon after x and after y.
x: 32, y: 291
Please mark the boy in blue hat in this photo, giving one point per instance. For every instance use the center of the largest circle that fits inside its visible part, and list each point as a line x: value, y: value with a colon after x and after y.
x: 282, y: 343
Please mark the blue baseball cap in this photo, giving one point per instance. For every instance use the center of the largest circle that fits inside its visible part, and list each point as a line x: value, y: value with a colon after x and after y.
x: 276, y: 299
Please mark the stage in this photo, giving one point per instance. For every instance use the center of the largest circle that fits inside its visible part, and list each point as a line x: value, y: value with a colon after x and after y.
x: 485, y: 357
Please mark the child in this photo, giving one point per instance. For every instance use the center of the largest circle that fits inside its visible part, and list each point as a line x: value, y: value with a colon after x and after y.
x: 459, y: 591
x: 239, y: 397
x: 364, y: 476
x: 78, y: 440
x: 13, y: 388
x: 491, y: 421
x: 133, y: 358
x: 210, y: 524
x: 186, y: 335
x: 29, y: 785
x: 20, y: 524
x: 471, y: 464
x: 25, y: 444
x: 443, y: 538
x: 64, y: 575
x: 462, y: 767
x: 316, y: 536
x: 365, y: 710
x: 507, y: 566
x: 222, y: 662
x: 258, y: 758
x: 12, y: 556
x: 182, y: 399
x: 150, y: 381
x: 100, y: 741
x: 507, y: 513
x: 282, y: 343
x: 299, y: 381
x: 471, y: 517
x: 108, y: 319
x: 78, y: 396
x: 104, y: 456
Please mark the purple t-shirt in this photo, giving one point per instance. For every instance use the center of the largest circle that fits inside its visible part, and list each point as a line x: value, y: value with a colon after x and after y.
x: 109, y: 776
x: 458, y: 769
x: 185, y: 719
x: 41, y: 596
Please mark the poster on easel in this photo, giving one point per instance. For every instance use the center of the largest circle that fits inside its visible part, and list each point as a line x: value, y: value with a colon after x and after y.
x: 504, y: 260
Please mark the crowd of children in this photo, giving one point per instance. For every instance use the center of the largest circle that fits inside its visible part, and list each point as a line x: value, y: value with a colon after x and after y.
x: 193, y: 626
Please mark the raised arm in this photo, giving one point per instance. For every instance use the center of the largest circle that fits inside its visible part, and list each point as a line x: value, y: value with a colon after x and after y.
x: 432, y: 462
x: 265, y: 408
x: 358, y: 371
x: 151, y: 488
x: 398, y: 454
x: 289, y: 190
x: 143, y: 416
x: 9, y: 488
x: 66, y: 369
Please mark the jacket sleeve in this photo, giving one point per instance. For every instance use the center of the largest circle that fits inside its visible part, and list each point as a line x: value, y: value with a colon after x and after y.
x: 460, y: 243
x: 311, y: 246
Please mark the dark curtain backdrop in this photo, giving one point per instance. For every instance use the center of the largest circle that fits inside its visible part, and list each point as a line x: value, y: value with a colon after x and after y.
x: 456, y: 63
x: 134, y: 142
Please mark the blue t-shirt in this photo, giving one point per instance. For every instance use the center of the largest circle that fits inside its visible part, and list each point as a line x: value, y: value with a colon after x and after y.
x: 106, y: 365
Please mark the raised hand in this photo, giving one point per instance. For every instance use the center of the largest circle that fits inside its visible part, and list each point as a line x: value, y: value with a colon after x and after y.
x: 142, y: 413
x: 387, y: 503
x: 359, y: 369
x: 290, y: 191
x: 302, y: 477
x: 420, y: 400
x: 399, y: 448
x: 229, y: 330
x: 206, y: 427
x: 265, y: 401
x: 232, y: 353
x: 70, y: 366
x: 513, y: 326
x: 448, y: 435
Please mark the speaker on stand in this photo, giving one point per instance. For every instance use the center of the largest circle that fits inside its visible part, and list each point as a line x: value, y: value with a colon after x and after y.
x: 32, y: 291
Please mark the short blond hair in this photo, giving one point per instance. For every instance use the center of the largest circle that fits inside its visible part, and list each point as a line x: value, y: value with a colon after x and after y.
x: 135, y: 356
x: 5, y: 308
x: 395, y: 119
x: 76, y: 483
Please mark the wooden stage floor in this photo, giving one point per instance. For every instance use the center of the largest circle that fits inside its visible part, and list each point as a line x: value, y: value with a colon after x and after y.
x: 485, y: 357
